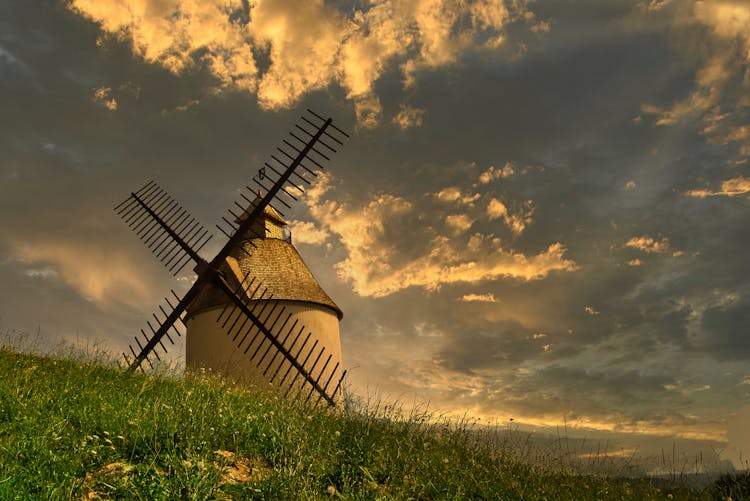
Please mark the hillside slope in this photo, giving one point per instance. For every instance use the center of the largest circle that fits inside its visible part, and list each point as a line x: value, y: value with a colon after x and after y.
x: 80, y: 430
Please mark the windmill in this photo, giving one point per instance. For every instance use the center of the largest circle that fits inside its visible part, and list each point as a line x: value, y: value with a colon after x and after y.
x: 264, y: 329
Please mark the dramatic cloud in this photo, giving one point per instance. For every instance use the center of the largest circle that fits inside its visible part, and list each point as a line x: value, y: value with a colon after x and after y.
x: 390, y: 246
x: 179, y: 34
x: 103, y: 277
x: 283, y: 50
x: 304, y: 232
x: 719, y: 101
x: 587, y: 264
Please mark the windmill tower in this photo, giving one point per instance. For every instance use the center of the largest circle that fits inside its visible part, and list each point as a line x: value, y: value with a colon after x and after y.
x: 268, y: 255
x: 255, y: 310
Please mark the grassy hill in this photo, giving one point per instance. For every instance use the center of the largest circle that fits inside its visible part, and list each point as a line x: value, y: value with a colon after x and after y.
x: 81, y: 430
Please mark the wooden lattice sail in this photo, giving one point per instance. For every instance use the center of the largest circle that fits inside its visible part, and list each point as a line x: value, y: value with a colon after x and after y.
x: 269, y: 327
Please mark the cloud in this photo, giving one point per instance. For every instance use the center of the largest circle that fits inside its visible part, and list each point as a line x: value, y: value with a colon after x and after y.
x: 515, y: 222
x: 590, y: 310
x: 305, y: 232
x: 719, y: 99
x: 479, y: 298
x: 11, y: 60
x: 634, y: 262
x: 493, y: 174
x: 730, y: 188
x: 408, y: 117
x: 453, y: 194
x: 282, y: 50
x: 103, y: 277
x: 303, y: 39
x: 103, y: 97
x: 368, y: 110
x: 459, y: 223
x: 390, y: 245
x: 649, y: 244
x: 179, y: 35
x: 724, y: 327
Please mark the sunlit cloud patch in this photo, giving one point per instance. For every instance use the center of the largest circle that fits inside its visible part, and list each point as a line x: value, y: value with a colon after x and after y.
x: 392, y: 243
x: 282, y: 50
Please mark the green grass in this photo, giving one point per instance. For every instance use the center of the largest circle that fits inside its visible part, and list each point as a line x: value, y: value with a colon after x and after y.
x: 80, y: 430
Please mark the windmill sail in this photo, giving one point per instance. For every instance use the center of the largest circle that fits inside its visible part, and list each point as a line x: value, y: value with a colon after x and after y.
x: 176, y: 238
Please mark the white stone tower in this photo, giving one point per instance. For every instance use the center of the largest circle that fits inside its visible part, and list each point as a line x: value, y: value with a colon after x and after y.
x: 277, y: 265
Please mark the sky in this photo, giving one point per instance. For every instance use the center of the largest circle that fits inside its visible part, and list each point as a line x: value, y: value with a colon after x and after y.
x: 541, y: 213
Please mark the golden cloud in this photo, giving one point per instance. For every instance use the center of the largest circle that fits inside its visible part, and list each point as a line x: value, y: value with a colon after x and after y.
x: 103, y: 97
x: 459, y: 223
x: 492, y: 173
x: 376, y: 266
x: 479, y: 298
x: 453, y: 194
x: 591, y: 310
x: 305, y: 232
x: 309, y: 45
x: 729, y: 188
x: 515, y: 222
x: 649, y: 244
x: 408, y: 117
x: 102, y: 277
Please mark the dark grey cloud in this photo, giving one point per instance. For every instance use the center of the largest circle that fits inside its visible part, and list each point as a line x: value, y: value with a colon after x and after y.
x: 727, y: 331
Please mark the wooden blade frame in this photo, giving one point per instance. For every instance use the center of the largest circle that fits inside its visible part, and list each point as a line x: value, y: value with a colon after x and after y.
x: 176, y: 239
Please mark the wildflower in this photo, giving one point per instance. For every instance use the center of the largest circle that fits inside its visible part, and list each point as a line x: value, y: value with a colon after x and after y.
x: 337, y: 433
x: 331, y: 490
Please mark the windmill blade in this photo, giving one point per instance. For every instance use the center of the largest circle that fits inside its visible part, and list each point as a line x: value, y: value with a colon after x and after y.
x: 165, y: 227
x: 287, y: 333
x: 285, y: 181
x: 160, y: 329
x: 176, y: 238
x: 263, y: 323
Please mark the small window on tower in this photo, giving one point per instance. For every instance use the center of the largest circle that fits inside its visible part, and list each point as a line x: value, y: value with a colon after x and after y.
x: 286, y: 235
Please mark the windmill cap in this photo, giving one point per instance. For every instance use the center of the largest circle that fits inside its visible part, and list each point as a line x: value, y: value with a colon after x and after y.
x: 269, y: 212
x: 279, y: 267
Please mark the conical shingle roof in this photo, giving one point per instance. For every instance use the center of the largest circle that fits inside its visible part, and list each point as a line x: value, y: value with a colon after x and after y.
x: 275, y: 264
